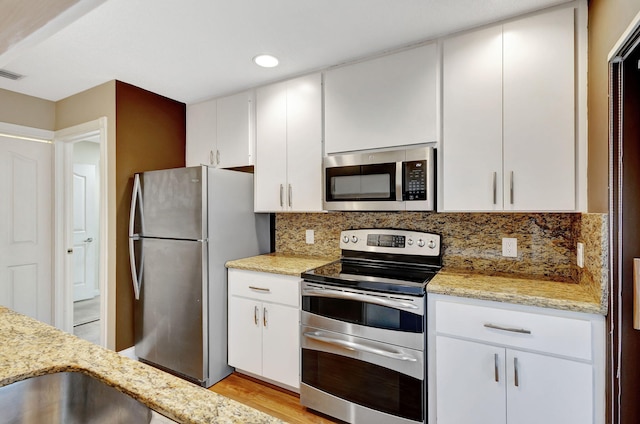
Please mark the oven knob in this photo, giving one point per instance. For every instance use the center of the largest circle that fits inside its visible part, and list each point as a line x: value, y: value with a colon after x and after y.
x: 345, y: 239
x: 432, y: 244
x: 410, y: 242
x: 420, y: 243
x: 354, y: 239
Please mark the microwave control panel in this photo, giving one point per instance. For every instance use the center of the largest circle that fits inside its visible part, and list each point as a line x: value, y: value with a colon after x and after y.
x: 414, y: 174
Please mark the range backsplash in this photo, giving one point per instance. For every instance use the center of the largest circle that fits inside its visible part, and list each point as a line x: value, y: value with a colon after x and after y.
x: 472, y: 241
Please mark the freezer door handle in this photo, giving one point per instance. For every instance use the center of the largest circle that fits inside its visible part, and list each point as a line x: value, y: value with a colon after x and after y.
x: 136, y: 276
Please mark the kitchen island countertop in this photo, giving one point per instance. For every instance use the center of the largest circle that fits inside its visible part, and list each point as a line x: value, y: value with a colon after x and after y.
x: 524, y: 290
x: 30, y: 348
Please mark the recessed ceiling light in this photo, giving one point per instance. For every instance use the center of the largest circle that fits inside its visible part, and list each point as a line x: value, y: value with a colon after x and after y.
x: 266, y: 60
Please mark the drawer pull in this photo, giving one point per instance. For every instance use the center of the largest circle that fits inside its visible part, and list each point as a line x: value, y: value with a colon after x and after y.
x: 511, y: 329
x: 262, y: 289
x: 495, y: 369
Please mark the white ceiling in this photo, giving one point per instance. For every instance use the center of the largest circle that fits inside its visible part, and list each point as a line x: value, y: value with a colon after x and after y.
x: 191, y: 50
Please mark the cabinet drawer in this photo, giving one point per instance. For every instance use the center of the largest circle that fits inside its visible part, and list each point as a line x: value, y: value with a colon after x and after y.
x: 546, y: 333
x: 276, y: 288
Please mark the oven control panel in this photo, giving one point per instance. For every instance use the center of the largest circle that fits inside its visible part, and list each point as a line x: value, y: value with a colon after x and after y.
x: 401, y: 242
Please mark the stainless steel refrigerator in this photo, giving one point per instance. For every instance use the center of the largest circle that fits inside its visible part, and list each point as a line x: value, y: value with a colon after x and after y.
x: 185, y: 223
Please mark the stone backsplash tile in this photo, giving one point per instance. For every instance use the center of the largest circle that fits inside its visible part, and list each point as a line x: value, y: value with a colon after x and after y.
x: 471, y: 241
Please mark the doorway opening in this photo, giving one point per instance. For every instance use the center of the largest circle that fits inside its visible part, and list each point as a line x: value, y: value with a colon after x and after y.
x: 81, y: 231
x: 86, y: 238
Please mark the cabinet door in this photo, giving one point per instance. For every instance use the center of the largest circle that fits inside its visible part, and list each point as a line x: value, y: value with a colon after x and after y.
x: 281, y: 344
x: 539, y: 121
x: 271, y: 148
x: 549, y: 390
x: 472, y: 121
x: 201, y: 134
x: 304, y: 144
x: 245, y: 334
x: 386, y: 101
x: 470, y: 382
x: 235, y: 131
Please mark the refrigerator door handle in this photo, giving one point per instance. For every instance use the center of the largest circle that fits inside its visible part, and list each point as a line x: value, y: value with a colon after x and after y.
x: 136, y: 196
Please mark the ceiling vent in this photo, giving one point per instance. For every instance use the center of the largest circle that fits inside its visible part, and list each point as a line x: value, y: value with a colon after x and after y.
x: 10, y: 75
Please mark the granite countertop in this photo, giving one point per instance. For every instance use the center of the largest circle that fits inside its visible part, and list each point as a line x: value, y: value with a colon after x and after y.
x: 278, y: 263
x: 30, y: 348
x: 516, y: 289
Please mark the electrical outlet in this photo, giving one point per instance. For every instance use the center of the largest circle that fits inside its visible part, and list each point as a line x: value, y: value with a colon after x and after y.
x: 510, y: 247
x: 309, y: 236
x: 580, y: 255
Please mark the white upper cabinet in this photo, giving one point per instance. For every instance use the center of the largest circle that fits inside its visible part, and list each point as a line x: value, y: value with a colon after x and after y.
x: 235, y: 135
x: 220, y: 132
x: 472, y: 121
x: 201, y: 134
x: 383, y: 102
x: 288, y: 171
x: 509, y: 116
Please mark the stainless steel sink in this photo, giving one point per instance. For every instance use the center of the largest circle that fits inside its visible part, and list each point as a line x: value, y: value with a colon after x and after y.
x: 68, y: 398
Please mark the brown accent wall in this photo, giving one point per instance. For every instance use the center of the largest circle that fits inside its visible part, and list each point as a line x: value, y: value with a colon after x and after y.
x: 151, y: 134
x: 607, y: 21
x: 19, y: 109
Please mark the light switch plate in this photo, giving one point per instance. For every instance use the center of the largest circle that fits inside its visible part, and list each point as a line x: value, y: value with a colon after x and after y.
x: 309, y: 236
x: 580, y: 255
x: 510, y: 247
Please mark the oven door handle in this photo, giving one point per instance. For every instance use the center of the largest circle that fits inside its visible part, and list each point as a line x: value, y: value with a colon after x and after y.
x: 357, y: 347
x: 357, y: 296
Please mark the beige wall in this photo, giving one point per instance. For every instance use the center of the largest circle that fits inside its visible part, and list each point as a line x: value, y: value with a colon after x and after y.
x: 28, y: 111
x: 607, y: 21
x: 84, y: 107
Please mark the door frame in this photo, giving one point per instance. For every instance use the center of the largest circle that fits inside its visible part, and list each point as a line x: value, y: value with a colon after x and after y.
x: 627, y: 44
x: 63, y: 211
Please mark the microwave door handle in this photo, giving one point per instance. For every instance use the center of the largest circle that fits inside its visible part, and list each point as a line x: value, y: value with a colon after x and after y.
x: 360, y: 297
x: 357, y: 347
x: 399, y: 166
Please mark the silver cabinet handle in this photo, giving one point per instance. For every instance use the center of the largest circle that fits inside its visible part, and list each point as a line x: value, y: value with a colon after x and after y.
x: 516, y: 382
x: 264, y: 317
x: 217, y: 157
x: 345, y: 344
x: 495, y: 188
x: 511, y: 329
x: 281, y: 195
x: 255, y: 315
x: 262, y: 289
x: 337, y: 294
x: 211, y: 161
x: 511, y: 188
x: 495, y: 368
x: 290, y: 194
x: 88, y: 240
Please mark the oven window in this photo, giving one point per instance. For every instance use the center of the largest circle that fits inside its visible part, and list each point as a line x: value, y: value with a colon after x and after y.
x: 363, y: 313
x: 364, y: 383
x: 365, y: 182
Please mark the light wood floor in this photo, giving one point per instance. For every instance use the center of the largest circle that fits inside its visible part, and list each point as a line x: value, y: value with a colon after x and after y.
x: 268, y: 398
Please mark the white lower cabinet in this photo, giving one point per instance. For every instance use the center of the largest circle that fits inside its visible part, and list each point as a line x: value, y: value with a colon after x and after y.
x: 508, y: 364
x: 264, y: 326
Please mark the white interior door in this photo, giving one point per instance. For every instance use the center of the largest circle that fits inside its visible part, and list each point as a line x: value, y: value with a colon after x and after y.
x: 26, y: 227
x: 85, y: 231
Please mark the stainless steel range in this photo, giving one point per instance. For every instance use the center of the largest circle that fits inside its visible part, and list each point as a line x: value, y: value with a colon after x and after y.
x: 363, y: 328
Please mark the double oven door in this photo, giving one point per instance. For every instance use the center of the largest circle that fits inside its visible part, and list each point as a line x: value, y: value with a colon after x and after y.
x: 363, y: 354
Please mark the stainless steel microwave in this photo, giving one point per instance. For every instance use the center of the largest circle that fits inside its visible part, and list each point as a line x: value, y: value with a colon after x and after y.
x: 394, y: 180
